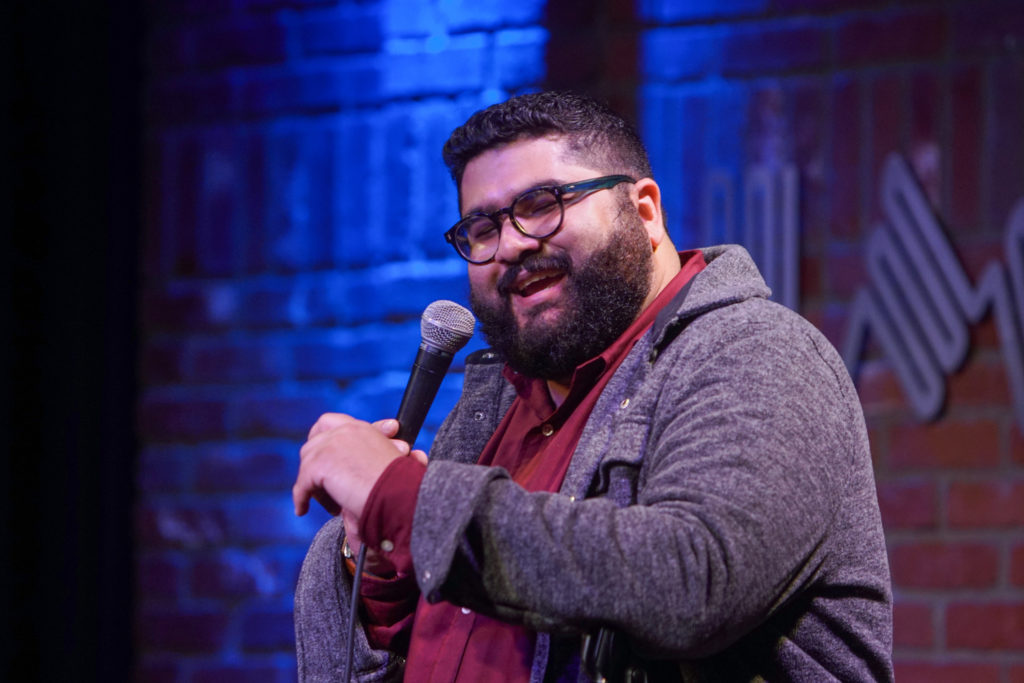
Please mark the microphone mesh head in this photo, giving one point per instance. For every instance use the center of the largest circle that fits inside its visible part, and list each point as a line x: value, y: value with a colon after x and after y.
x: 446, y: 326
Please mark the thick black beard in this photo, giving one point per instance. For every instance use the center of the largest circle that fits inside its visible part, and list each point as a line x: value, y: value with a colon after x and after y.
x: 604, y: 296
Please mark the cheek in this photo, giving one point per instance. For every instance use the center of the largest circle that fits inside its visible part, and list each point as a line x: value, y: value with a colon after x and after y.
x: 576, y: 244
x: 483, y: 280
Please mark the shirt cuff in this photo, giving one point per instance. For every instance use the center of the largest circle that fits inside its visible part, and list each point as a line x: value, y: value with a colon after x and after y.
x: 386, y: 523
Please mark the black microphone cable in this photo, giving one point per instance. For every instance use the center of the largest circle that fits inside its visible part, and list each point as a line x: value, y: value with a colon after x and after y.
x: 445, y: 327
x: 351, y: 636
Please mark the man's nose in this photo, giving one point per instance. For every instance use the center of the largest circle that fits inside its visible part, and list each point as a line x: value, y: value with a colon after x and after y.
x: 512, y: 243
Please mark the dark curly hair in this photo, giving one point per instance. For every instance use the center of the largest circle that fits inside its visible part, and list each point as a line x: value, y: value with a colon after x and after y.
x: 595, y: 134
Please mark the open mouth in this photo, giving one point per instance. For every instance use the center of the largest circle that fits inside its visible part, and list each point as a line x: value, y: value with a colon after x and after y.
x: 537, y: 282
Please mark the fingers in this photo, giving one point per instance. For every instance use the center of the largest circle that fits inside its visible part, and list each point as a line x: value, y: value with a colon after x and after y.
x: 330, y: 421
x: 309, y: 483
x: 300, y: 501
x: 300, y: 497
x: 420, y: 456
x: 389, y: 426
x: 342, y: 460
x: 327, y: 422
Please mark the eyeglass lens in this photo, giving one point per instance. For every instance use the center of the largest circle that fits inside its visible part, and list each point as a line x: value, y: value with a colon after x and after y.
x: 537, y: 213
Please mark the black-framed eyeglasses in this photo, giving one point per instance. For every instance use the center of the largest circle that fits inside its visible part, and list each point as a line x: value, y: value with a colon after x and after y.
x: 536, y: 213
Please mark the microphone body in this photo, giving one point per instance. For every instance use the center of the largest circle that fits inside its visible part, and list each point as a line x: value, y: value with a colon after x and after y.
x: 428, y: 370
x: 445, y: 328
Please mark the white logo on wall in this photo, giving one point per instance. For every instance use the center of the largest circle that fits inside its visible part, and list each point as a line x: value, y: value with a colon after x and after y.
x: 919, y: 304
x: 770, y: 224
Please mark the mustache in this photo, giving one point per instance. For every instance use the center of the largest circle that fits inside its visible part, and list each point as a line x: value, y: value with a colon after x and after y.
x: 532, y: 263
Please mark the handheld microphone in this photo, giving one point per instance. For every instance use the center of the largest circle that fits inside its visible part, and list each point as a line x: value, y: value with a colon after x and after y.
x: 444, y: 328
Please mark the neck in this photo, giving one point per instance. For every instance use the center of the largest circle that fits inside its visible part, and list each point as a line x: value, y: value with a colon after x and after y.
x: 666, y: 267
x: 558, y: 390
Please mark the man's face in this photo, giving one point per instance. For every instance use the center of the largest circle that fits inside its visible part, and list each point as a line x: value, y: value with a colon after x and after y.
x: 549, y: 305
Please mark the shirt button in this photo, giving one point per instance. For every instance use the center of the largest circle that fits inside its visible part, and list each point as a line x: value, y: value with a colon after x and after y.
x: 387, y: 546
x: 478, y: 416
x: 547, y: 430
x: 465, y: 610
x: 426, y: 576
x: 625, y: 403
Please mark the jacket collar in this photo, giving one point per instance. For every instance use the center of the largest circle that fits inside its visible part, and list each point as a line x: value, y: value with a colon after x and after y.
x: 729, y: 277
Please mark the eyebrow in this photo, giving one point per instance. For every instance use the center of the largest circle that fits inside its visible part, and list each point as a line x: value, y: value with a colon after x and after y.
x: 536, y: 186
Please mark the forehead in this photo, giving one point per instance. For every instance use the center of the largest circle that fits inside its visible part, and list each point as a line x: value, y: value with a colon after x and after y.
x: 494, y: 177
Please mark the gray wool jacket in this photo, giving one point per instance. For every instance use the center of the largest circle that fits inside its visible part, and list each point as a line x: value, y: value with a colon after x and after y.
x: 719, y: 510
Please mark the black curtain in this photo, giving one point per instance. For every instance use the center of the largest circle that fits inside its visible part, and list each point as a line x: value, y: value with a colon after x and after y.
x: 70, y: 206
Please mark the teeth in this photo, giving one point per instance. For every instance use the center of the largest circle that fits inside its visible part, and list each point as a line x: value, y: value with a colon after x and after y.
x: 530, y: 280
x: 534, y: 277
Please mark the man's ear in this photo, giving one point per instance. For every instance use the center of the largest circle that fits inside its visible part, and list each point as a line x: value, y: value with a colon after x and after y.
x: 648, y: 204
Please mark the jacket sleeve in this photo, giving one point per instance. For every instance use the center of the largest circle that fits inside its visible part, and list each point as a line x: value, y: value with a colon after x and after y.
x: 322, y: 601
x: 743, y: 441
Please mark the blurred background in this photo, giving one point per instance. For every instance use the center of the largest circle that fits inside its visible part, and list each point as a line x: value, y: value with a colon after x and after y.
x: 223, y: 218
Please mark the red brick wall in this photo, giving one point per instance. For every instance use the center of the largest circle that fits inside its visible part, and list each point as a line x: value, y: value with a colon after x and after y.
x: 293, y: 158
x: 296, y: 200
x: 834, y: 87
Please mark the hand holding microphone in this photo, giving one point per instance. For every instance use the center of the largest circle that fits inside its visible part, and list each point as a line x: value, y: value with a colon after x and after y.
x: 343, y: 457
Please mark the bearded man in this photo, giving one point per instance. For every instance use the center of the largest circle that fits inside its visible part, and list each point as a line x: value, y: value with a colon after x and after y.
x: 654, y: 474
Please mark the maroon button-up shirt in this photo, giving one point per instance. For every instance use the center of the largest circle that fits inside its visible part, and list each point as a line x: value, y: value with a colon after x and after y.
x: 534, y: 442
